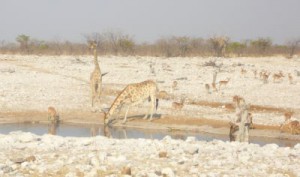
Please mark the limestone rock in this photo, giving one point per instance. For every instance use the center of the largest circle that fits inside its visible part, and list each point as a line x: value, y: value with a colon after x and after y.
x: 167, y: 172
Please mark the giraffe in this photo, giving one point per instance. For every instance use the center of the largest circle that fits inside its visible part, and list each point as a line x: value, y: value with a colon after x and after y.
x: 95, y: 77
x: 134, y: 94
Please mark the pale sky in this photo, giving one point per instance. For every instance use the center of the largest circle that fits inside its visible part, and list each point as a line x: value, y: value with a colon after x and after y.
x: 148, y: 20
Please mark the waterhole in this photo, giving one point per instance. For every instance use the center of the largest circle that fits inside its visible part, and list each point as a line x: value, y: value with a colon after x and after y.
x: 74, y: 130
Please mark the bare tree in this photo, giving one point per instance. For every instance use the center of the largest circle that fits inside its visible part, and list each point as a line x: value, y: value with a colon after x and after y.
x: 219, y: 44
x: 112, y: 38
x: 182, y: 44
x: 292, y: 46
x: 164, y: 46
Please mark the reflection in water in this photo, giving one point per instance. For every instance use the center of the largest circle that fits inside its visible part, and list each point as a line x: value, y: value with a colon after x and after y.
x: 106, y: 131
x: 94, y: 130
x: 52, y: 127
x: 121, y: 133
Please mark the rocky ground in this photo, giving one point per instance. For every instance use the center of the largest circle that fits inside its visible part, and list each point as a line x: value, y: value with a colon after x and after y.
x: 26, y: 154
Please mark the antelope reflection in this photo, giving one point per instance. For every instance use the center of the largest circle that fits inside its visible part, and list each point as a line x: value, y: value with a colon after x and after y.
x: 52, y: 128
x: 94, y: 131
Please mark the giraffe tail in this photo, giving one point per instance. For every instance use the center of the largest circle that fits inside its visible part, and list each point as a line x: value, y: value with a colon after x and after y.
x: 156, y: 106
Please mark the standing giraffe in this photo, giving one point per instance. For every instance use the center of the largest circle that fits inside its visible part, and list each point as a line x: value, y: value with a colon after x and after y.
x: 95, y: 77
x: 134, y: 94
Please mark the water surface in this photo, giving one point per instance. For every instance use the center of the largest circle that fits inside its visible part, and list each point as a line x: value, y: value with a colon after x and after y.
x: 71, y: 130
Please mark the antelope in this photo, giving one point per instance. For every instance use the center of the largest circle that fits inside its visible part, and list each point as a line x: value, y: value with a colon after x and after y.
x: 287, y: 118
x: 255, y: 73
x: 163, y: 95
x: 265, y: 77
x: 214, y: 88
x: 277, y: 76
x: 290, y: 78
x: 238, y: 101
x: 223, y: 82
x: 232, y: 129
x: 53, y: 116
x: 294, y: 127
x: 207, y: 88
x: 174, y: 85
x: 250, y: 120
x: 243, y: 71
x: 178, y: 106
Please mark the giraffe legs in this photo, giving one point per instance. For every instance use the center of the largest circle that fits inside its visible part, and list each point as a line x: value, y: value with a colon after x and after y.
x: 146, y: 115
x: 153, y: 104
x: 125, y: 117
x: 95, y: 91
x: 151, y: 109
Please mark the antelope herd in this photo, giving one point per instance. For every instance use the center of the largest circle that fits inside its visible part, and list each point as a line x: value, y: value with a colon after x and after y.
x: 136, y: 93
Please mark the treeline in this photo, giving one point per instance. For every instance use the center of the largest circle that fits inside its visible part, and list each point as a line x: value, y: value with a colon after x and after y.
x: 117, y: 43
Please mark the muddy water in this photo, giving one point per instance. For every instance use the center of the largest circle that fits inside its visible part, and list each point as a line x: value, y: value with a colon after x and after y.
x: 122, y: 133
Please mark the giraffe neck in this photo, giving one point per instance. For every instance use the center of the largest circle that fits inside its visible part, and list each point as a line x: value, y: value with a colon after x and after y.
x: 96, y: 59
x: 117, y: 102
x: 114, y: 106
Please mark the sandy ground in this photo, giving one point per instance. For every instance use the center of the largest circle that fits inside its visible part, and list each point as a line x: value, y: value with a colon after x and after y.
x: 29, y: 84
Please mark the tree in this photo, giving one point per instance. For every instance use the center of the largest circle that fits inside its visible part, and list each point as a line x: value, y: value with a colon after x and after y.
x: 292, y: 46
x: 261, y: 45
x: 23, y: 40
x: 182, y: 44
x: 219, y: 44
x: 126, y: 44
x: 236, y: 48
x: 164, y: 46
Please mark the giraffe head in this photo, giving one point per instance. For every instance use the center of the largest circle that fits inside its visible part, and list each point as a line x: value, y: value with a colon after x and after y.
x: 106, y: 116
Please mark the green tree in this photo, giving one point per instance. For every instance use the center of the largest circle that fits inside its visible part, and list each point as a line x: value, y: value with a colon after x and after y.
x: 126, y: 44
x: 236, y: 48
x: 23, y: 40
x: 261, y: 45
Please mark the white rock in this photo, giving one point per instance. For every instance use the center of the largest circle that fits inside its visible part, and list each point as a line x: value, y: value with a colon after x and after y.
x: 167, y: 138
x: 27, y: 137
x: 271, y: 146
x: 193, y: 170
x: 7, y: 169
x: 102, y: 157
x: 151, y: 175
x: 297, y: 146
x: 95, y: 162
x: 191, y: 150
x: 190, y: 139
x: 168, y: 172
x: 14, y: 166
x: 92, y: 173
x: 70, y: 174
x: 24, y: 164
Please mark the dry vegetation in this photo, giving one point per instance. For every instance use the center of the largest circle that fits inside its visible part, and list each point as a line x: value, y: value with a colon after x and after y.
x: 118, y: 43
